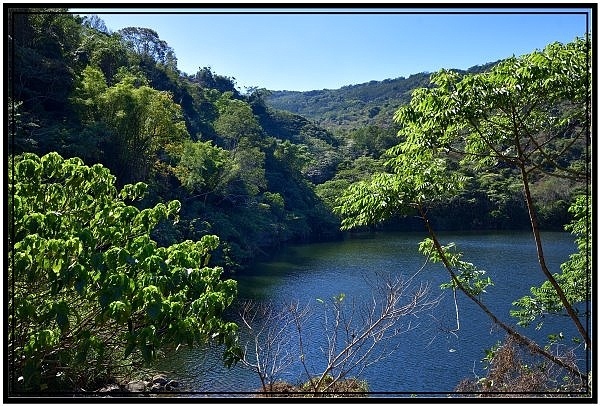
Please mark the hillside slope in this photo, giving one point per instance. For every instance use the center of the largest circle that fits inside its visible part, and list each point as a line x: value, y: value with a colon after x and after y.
x: 371, y: 103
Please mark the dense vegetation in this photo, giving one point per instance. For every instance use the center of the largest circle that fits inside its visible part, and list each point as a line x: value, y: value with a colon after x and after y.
x: 361, y: 118
x: 136, y: 190
x: 240, y: 170
x: 255, y: 175
x: 353, y: 106
x: 89, y: 285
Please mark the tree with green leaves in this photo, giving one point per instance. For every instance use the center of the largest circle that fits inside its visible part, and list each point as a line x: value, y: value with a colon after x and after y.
x: 530, y: 113
x: 206, y: 78
x: 204, y: 169
x: 44, y: 41
x: 146, y: 43
x: 90, y: 293
x: 294, y: 156
x: 574, y: 277
x: 42, y: 50
x: 348, y: 172
x: 236, y: 121
x: 371, y: 140
x: 103, y: 50
x: 249, y: 168
x: 138, y: 123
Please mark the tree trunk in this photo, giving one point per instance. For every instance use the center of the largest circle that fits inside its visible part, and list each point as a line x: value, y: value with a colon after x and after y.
x: 532, y: 345
x: 542, y: 260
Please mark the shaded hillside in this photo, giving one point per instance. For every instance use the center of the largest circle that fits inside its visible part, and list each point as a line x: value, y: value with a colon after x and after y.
x: 241, y: 171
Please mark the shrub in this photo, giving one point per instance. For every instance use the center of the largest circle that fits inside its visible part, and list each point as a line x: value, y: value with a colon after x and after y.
x: 89, y: 291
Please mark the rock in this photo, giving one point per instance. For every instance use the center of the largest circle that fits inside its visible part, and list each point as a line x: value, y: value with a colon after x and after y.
x: 171, y: 384
x: 156, y: 387
x: 113, y: 387
x: 136, y: 386
x: 160, y: 379
x: 158, y: 383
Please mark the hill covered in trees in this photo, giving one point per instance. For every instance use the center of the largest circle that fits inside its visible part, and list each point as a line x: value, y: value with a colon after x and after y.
x: 352, y: 106
x: 241, y: 170
x: 361, y: 118
x: 257, y: 169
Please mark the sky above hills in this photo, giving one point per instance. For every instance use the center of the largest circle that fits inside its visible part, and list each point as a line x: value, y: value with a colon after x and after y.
x: 307, y: 49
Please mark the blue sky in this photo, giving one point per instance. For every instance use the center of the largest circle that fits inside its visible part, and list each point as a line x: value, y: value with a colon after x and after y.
x: 307, y: 51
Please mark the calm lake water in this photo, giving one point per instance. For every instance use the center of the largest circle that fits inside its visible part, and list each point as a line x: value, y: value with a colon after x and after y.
x: 429, y: 358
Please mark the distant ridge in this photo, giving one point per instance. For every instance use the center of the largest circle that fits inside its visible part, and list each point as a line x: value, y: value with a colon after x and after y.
x: 370, y: 103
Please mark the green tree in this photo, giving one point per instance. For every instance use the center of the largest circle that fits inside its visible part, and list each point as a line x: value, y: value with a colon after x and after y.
x: 236, y: 121
x: 105, y: 51
x: 90, y: 291
x: 294, y: 156
x: 372, y: 140
x: 529, y: 113
x: 207, y: 79
x: 87, y: 96
x: 146, y: 43
x: 42, y: 53
x: 204, y: 168
x: 248, y: 165
x: 44, y: 43
x: 574, y: 277
x: 141, y: 124
x: 347, y: 173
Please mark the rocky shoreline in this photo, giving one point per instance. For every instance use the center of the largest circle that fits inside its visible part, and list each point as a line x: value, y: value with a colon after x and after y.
x: 155, y: 385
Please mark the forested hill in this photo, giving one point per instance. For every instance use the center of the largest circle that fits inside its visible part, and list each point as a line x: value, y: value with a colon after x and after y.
x: 241, y: 171
x: 371, y: 103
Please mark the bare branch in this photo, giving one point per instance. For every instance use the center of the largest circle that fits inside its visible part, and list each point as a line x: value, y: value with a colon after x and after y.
x: 356, y: 334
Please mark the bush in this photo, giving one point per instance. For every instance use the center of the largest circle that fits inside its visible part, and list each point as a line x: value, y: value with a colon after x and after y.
x: 513, y: 371
x: 90, y: 292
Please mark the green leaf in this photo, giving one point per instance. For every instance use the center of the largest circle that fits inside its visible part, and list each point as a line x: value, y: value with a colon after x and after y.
x: 62, y: 314
x: 119, y: 311
x: 57, y: 266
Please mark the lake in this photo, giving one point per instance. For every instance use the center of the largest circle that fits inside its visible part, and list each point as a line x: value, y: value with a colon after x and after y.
x: 429, y: 358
